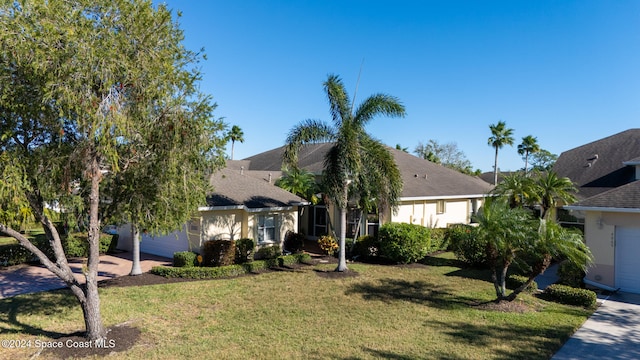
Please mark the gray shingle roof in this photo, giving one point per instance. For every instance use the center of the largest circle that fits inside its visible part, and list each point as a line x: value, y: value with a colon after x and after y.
x: 598, y: 166
x: 439, y: 182
x: 233, y: 189
x: 623, y: 197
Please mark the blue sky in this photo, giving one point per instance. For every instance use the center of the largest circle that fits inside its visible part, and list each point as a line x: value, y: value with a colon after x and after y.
x: 567, y: 72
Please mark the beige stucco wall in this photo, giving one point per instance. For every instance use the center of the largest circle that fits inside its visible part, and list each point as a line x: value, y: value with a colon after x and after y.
x: 600, y: 238
x: 423, y: 212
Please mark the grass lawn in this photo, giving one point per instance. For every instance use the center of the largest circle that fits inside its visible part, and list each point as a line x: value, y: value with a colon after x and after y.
x: 412, y: 312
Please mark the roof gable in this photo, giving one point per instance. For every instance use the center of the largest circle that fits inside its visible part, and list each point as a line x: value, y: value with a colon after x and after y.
x: 599, y: 166
x: 231, y: 188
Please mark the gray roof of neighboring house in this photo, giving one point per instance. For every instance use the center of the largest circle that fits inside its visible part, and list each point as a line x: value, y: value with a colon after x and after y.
x: 623, y: 197
x: 598, y: 166
x: 439, y: 182
x: 234, y: 189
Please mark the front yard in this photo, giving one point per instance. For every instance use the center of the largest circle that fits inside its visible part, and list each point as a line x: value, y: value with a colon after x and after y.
x: 399, y: 312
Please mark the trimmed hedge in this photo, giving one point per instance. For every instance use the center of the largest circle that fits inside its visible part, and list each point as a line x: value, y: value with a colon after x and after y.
x: 404, y: 243
x: 571, y: 296
x: 231, y: 270
x: 268, y: 252
x: 218, y: 252
x: 77, y: 245
x: 14, y: 254
x: 439, y: 239
x: 294, y: 242
x: 515, y: 281
x: 464, y: 243
x: 366, y: 247
x: 185, y: 259
x: 245, y: 249
x: 570, y: 274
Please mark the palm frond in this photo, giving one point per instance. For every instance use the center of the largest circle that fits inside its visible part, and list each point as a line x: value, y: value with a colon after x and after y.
x: 307, y: 132
x: 339, y: 103
x: 378, y: 104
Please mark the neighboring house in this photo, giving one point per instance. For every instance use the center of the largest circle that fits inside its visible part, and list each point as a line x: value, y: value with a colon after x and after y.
x: 606, y: 173
x: 432, y: 195
x: 242, y: 205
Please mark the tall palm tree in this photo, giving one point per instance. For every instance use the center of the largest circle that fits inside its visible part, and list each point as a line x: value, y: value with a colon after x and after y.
x: 500, y: 136
x: 552, y: 190
x: 234, y: 135
x: 356, y: 160
x: 528, y: 146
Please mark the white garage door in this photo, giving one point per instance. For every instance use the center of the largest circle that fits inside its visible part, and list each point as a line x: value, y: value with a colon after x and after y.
x: 164, y: 245
x: 627, y: 254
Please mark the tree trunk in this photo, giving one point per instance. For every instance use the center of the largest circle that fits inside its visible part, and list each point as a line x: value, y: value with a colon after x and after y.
x: 342, y: 256
x: 91, y: 307
x: 495, y: 168
x: 135, y: 251
x: 526, y: 162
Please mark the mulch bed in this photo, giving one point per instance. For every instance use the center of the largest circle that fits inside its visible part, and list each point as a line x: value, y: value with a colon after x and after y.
x: 119, y: 338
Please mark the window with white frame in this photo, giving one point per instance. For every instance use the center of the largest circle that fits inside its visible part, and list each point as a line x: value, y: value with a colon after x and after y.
x: 441, y: 207
x: 266, y: 228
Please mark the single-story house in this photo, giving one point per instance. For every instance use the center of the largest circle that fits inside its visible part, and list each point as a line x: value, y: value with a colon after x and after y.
x: 432, y: 195
x: 241, y: 206
x: 606, y: 173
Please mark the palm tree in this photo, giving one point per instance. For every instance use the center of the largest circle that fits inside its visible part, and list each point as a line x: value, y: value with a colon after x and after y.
x: 528, y: 146
x: 355, y: 160
x: 500, y: 136
x: 517, y: 189
x: 234, y: 135
x: 552, y: 190
x: 300, y: 182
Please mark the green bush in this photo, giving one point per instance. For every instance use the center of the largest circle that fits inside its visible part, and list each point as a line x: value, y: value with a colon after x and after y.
x: 244, y: 250
x: 570, y: 274
x: 365, y: 248
x: 77, y: 245
x: 268, y: 252
x: 464, y: 243
x: 184, y: 259
x: 218, y: 252
x: 294, y: 242
x: 571, y: 296
x: 230, y: 270
x: 403, y: 243
x: 515, y: 281
x: 14, y: 254
x: 439, y: 240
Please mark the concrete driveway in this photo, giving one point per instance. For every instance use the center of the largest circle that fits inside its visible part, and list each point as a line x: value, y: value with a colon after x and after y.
x: 24, y: 279
x: 612, y: 332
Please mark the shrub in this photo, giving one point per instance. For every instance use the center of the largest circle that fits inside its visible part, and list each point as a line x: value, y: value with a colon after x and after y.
x: 184, y: 259
x: 571, y: 296
x: 14, y: 254
x: 328, y: 244
x: 77, y: 245
x: 366, y: 247
x: 570, y: 274
x: 515, y: 281
x: 244, y: 250
x: 294, y: 242
x: 268, y: 252
x: 403, y: 243
x: 227, y: 271
x: 218, y: 252
x: 439, y: 241
x: 465, y: 244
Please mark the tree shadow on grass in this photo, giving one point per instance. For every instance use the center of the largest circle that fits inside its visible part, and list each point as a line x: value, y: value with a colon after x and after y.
x: 419, y: 292
x: 34, y: 304
x: 438, y: 261
x: 510, y: 340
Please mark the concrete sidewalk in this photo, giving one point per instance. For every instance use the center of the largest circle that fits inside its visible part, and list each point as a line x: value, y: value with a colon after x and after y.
x: 610, y: 333
x: 24, y: 279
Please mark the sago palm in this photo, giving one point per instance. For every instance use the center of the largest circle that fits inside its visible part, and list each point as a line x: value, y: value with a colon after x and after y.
x: 355, y: 160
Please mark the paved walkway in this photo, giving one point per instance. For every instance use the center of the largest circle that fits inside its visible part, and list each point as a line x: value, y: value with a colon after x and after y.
x: 610, y: 333
x: 24, y: 279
